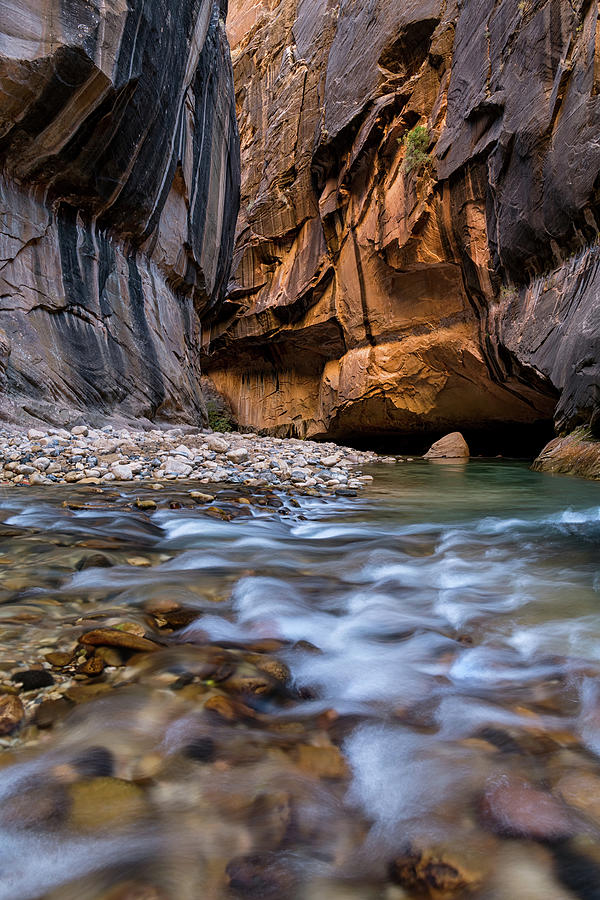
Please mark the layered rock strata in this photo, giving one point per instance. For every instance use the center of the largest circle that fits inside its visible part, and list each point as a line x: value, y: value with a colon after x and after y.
x: 389, y: 279
x: 119, y: 182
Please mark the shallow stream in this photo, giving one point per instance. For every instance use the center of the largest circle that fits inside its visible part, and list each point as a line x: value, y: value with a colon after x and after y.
x: 373, y: 698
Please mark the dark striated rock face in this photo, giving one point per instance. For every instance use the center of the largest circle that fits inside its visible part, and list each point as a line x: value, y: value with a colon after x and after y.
x: 377, y: 291
x: 119, y: 188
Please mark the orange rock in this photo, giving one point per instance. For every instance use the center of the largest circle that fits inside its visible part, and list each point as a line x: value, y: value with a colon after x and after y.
x: 112, y: 637
x: 12, y: 712
x: 323, y: 762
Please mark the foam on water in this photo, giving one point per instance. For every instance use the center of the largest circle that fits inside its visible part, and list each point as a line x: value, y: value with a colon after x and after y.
x: 447, y: 611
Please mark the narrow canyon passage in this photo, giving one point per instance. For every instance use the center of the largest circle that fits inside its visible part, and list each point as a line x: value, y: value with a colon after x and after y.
x: 255, y: 257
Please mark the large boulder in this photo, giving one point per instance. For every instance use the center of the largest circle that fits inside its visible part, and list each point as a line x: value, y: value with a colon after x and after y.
x: 452, y: 446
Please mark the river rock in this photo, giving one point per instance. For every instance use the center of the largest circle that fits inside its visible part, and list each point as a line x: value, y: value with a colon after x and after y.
x: 122, y: 472
x: 515, y: 808
x: 175, y: 466
x: 11, y: 713
x: 238, y: 455
x: 581, y: 790
x: 437, y: 872
x: 105, y: 803
x: 452, y: 446
x: 112, y: 637
x: 321, y: 762
x: 216, y: 444
x: 33, y: 679
x: 259, y: 876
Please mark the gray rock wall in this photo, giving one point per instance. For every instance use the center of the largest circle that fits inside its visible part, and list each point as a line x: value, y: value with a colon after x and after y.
x: 119, y: 159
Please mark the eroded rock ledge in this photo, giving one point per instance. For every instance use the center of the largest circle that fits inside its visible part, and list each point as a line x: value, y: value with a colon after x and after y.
x: 119, y: 181
x: 373, y: 295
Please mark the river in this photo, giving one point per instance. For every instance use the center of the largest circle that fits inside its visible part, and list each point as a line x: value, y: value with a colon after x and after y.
x: 390, y: 696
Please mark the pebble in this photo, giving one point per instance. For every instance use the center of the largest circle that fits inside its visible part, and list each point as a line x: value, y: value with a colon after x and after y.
x: 89, y: 456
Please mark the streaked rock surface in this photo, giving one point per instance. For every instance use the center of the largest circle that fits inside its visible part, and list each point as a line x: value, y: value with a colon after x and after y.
x: 371, y: 298
x: 119, y: 175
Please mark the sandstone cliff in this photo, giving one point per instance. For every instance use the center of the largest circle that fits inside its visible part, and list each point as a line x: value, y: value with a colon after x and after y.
x: 388, y: 284
x: 119, y: 182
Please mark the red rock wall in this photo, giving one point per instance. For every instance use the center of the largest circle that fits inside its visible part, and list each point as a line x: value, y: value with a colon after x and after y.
x: 369, y: 298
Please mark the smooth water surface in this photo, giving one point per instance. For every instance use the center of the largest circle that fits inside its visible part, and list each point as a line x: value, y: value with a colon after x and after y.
x: 439, y: 736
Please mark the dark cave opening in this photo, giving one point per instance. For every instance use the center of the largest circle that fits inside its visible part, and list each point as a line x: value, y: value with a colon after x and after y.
x: 507, y: 439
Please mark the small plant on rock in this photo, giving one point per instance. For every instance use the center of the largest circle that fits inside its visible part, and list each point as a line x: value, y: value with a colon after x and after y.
x: 217, y: 420
x: 416, y: 143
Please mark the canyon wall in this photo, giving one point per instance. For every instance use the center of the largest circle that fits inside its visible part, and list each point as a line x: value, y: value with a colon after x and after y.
x: 119, y: 188
x: 389, y: 279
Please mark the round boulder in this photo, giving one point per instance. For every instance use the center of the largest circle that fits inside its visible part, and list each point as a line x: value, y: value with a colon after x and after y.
x: 452, y: 446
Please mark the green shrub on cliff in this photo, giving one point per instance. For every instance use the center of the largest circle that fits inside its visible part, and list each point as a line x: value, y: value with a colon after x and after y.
x: 416, y: 143
x: 217, y: 420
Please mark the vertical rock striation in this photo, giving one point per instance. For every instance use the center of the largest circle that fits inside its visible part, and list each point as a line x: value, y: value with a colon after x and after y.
x: 119, y: 183
x: 381, y: 285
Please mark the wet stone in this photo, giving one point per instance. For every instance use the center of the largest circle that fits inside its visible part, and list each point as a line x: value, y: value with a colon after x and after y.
x: 94, y: 561
x: 49, y: 712
x: 433, y: 872
x: 105, y: 803
x: 11, y: 713
x: 134, y: 890
x: 110, y: 656
x: 33, y: 679
x: 58, y: 659
x: 82, y: 693
x: 95, y: 762
x: 179, y: 618
x: 112, y: 637
x: 321, y: 762
x: 145, y: 504
x: 263, y: 876
x: 276, y: 669
x: 201, y: 749
x: 91, y: 667
x: 42, y: 806
x: 515, y: 808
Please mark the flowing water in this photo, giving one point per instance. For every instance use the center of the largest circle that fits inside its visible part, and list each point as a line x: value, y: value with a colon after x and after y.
x: 438, y: 734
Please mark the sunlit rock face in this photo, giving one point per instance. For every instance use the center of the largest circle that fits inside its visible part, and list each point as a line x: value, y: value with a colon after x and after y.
x: 371, y: 295
x: 119, y: 165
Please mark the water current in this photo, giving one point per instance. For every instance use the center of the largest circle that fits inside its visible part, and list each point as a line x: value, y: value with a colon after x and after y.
x: 390, y: 696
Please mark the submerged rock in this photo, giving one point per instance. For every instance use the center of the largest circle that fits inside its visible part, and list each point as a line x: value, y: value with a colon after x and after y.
x: 105, y: 802
x: 262, y: 876
x: 437, y: 872
x: 515, y: 808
